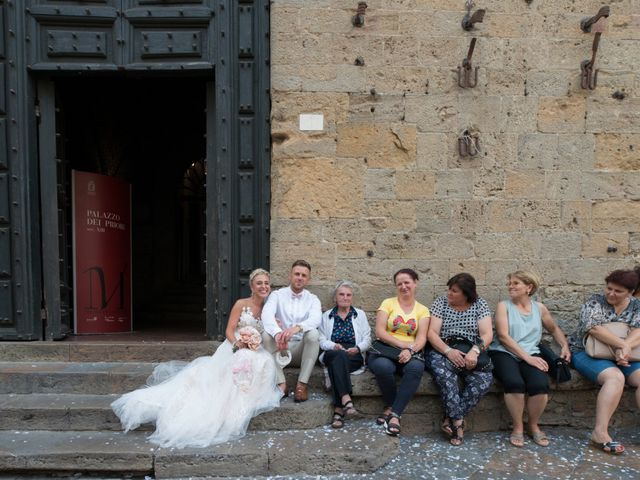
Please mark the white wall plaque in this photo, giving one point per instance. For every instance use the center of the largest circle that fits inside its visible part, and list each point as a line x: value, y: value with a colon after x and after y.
x: 311, y: 121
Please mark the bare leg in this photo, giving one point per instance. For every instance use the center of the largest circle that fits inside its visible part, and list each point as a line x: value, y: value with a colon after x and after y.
x: 612, y: 381
x: 535, y: 408
x: 634, y: 381
x: 515, y: 406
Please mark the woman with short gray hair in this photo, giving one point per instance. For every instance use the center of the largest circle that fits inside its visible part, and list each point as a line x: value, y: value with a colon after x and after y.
x: 345, y: 335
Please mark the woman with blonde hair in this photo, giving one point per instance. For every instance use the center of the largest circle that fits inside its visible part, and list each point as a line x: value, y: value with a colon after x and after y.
x: 212, y: 399
x: 516, y: 357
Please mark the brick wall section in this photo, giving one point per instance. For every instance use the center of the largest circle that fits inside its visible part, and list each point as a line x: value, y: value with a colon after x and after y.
x: 383, y: 187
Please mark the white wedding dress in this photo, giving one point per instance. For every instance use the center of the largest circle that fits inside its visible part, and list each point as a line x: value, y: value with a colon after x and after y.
x: 208, y: 401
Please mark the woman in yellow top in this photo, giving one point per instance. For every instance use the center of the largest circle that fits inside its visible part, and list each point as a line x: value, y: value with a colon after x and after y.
x: 401, y: 330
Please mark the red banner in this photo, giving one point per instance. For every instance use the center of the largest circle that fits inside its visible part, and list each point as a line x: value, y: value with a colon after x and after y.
x: 101, y: 253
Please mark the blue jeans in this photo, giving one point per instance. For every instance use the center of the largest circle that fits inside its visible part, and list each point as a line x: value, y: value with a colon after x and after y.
x: 591, y: 367
x: 385, y: 369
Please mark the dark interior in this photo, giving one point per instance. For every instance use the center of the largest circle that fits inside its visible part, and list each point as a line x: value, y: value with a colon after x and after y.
x: 150, y: 132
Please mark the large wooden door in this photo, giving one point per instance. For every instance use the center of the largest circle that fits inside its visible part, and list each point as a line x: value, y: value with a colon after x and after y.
x: 228, y: 40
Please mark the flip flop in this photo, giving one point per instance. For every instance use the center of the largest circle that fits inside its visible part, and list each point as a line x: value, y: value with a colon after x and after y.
x: 516, y: 439
x: 540, y: 438
x: 612, y: 447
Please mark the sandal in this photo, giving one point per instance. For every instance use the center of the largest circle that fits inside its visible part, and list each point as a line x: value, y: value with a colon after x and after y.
x: 392, y: 429
x: 349, y: 410
x: 612, y: 447
x: 380, y: 419
x: 338, y: 420
x: 540, y: 438
x: 456, y: 439
x: 516, y: 439
x: 445, y: 426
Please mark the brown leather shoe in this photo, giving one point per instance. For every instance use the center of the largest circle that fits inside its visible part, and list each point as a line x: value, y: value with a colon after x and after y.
x: 301, y: 394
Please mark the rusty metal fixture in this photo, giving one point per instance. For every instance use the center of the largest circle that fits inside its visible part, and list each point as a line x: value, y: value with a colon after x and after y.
x: 589, y: 74
x: 469, y: 20
x: 469, y: 143
x: 586, y: 23
x: 467, y: 75
x: 358, y: 18
x: 618, y: 95
x: 359, y: 61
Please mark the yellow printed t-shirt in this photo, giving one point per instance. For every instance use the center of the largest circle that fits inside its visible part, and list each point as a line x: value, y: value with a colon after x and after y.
x: 403, y: 326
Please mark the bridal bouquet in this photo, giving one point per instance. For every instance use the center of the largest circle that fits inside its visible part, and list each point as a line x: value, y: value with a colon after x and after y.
x: 250, y: 337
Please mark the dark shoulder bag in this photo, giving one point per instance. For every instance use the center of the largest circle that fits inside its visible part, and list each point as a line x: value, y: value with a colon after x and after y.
x: 389, y: 351
x: 464, y: 345
x: 558, y: 367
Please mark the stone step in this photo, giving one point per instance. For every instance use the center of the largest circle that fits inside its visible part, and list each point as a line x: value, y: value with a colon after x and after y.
x: 109, y: 351
x: 98, y: 378
x: 93, y: 412
x: 358, y: 448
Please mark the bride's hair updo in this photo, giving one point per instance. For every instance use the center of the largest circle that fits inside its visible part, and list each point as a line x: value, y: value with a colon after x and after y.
x: 256, y: 272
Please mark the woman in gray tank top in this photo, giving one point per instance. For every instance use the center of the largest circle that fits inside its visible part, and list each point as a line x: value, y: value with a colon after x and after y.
x: 516, y: 356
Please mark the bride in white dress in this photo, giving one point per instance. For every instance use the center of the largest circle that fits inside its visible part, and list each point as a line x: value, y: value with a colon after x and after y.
x: 212, y: 399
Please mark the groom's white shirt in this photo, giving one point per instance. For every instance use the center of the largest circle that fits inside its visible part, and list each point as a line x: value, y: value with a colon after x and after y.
x: 291, y: 309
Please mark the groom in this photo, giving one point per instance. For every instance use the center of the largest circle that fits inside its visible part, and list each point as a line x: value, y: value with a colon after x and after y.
x: 291, y: 317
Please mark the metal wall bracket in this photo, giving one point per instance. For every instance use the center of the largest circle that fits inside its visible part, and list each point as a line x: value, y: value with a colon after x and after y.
x: 469, y: 143
x: 358, y: 18
x: 588, y: 72
x: 587, y: 22
x: 469, y: 19
x: 467, y: 75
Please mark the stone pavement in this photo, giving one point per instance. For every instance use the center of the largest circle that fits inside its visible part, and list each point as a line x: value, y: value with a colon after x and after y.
x: 486, y: 455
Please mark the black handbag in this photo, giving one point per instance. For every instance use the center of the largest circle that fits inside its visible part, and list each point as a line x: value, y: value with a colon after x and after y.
x: 558, y: 368
x: 389, y: 351
x: 464, y: 345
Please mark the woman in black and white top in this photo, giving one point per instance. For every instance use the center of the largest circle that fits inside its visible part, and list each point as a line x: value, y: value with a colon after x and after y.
x: 460, y: 317
x: 345, y: 336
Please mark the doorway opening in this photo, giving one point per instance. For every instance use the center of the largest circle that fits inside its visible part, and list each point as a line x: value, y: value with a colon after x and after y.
x: 150, y: 132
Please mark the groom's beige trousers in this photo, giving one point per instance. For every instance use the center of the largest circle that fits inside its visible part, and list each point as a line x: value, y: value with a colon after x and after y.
x: 304, y: 354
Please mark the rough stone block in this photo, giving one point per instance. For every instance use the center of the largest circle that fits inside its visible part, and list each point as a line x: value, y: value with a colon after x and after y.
x: 432, y: 113
x: 414, y: 185
x: 606, y: 185
x: 454, y: 184
x: 383, y: 146
x: 616, y: 216
x: 311, y: 179
x: 561, y: 114
x: 434, y: 216
x: 540, y: 215
x: 517, y: 114
x: 380, y: 183
x: 389, y: 79
x: 283, y: 229
x: 469, y: 216
x: 322, y: 256
x: 488, y: 182
x: 576, y: 216
x: 504, y: 216
x: 378, y: 108
x: 431, y: 151
x: 524, y: 184
x: 561, y: 245
x: 599, y: 245
x: 507, y: 246
x: 617, y: 152
x: 548, y: 83
x: 562, y: 185
x: 610, y: 115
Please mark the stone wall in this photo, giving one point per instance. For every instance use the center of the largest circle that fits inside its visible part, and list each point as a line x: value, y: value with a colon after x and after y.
x: 382, y: 186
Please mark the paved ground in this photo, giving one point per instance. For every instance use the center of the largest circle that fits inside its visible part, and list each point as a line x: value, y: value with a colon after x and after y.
x: 489, y: 456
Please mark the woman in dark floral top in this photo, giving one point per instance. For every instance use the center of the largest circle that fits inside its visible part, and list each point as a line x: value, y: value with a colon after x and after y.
x: 616, y: 304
